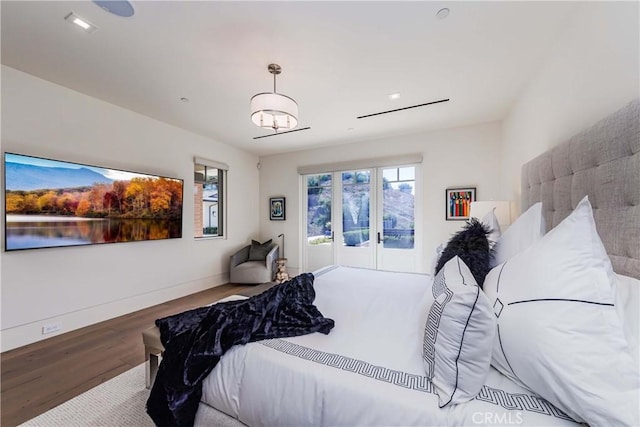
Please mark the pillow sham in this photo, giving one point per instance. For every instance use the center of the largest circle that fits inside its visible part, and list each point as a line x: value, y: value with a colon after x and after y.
x: 491, y: 222
x: 558, y: 333
x: 458, y: 335
x: 527, y: 229
x: 628, y: 309
x: 435, y: 258
x: 258, y: 251
x: 472, y: 246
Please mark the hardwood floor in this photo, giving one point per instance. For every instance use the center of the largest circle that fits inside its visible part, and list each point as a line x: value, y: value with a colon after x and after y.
x: 40, y: 376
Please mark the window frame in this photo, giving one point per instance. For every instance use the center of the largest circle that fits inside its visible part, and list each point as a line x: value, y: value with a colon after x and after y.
x: 205, y: 165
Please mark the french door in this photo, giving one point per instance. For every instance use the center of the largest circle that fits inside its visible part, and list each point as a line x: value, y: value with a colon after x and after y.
x: 362, y: 218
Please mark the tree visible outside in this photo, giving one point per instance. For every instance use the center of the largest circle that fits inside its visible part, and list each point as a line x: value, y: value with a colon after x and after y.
x: 137, y: 198
x: 398, y: 186
x: 319, y: 209
x: 356, y: 199
x: 398, y: 206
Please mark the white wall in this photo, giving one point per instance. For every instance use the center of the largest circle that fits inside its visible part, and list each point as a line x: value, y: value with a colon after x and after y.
x: 467, y: 156
x: 78, y: 286
x: 592, y: 71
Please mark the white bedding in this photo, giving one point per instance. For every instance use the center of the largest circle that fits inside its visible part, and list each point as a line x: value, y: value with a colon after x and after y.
x: 367, y: 371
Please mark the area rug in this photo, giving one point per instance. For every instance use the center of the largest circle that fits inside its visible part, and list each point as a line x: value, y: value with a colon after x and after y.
x: 117, y: 402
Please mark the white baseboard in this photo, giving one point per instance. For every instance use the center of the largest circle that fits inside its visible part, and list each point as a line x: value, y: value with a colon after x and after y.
x: 19, y: 336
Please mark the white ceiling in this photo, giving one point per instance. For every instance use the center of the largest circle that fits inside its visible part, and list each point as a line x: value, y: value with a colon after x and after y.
x: 340, y: 60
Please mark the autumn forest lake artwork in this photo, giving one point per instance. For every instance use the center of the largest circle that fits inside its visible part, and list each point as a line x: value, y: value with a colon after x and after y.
x: 50, y: 203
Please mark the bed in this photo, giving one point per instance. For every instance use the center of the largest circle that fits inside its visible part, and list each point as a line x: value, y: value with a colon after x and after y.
x: 370, y: 369
x: 355, y: 376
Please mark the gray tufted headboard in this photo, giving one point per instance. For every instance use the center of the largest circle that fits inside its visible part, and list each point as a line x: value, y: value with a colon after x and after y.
x: 602, y: 162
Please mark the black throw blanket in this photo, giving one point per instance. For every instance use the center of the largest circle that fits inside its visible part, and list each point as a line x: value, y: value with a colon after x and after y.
x: 195, y: 340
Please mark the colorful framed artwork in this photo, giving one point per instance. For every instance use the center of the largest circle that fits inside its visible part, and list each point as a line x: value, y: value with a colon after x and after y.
x: 458, y: 203
x: 277, y: 209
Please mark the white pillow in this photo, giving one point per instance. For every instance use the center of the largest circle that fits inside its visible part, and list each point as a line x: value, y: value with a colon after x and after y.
x: 527, y: 229
x: 435, y: 258
x: 628, y: 308
x: 490, y: 220
x: 458, y: 335
x: 558, y: 332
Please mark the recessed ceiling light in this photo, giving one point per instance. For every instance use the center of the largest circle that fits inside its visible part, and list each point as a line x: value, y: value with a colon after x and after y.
x: 81, y: 22
x: 394, y: 96
x: 442, y: 13
x: 183, y: 99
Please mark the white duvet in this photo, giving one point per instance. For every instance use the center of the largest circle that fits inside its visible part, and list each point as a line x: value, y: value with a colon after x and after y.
x: 367, y: 372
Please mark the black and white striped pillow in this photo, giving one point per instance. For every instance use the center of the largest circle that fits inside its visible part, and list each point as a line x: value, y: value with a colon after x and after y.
x: 458, y: 336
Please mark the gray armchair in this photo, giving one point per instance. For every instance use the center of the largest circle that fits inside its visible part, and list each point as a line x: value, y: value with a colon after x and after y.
x: 242, y: 269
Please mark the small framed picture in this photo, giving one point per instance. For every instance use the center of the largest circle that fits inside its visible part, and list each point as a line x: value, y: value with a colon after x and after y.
x: 277, y: 209
x: 458, y: 203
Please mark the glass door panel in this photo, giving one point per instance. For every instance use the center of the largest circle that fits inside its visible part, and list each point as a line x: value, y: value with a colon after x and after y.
x: 354, y: 247
x: 319, y: 209
x: 370, y: 213
x: 398, y: 207
x: 397, y: 213
x: 356, y: 189
x: 319, y: 230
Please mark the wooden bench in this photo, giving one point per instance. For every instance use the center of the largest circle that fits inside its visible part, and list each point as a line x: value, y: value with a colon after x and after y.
x: 153, y: 348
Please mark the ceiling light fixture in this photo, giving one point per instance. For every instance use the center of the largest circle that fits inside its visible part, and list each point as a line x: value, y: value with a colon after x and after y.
x: 394, y: 96
x: 81, y: 22
x: 271, y: 110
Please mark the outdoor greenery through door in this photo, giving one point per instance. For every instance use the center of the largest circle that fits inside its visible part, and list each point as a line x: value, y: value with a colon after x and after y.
x: 372, y: 208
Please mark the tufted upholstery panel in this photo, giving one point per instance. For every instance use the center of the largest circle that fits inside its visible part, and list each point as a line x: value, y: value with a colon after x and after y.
x: 602, y: 162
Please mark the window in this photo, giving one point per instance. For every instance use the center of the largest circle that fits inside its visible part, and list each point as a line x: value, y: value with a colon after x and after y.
x: 209, y: 198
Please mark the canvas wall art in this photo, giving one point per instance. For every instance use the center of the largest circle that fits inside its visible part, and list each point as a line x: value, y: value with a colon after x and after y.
x: 51, y: 203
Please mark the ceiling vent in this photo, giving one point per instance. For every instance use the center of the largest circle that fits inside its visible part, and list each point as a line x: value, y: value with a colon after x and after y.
x: 402, y: 109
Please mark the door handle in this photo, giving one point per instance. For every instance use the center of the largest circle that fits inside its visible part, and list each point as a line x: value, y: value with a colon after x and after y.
x: 379, y: 239
x: 333, y: 236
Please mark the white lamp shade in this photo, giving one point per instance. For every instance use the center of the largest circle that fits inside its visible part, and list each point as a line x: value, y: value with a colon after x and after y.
x: 502, y: 211
x: 274, y: 111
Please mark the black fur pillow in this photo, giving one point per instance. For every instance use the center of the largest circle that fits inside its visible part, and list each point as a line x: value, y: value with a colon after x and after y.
x: 472, y: 246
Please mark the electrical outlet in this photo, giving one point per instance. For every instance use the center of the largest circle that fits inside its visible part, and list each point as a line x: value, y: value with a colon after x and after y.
x: 50, y: 328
